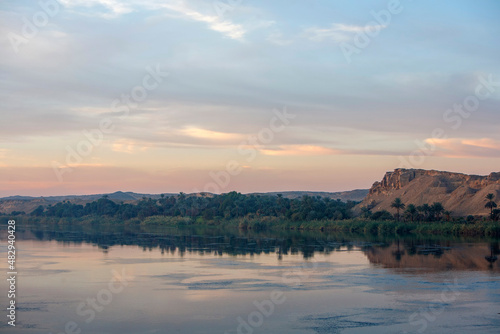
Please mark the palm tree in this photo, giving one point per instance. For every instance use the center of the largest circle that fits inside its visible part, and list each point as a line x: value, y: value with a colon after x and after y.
x: 437, y: 209
x: 490, y: 204
x: 365, y: 212
x: 447, y: 214
x: 411, y: 211
x: 425, y: 209
x: 398, y: 205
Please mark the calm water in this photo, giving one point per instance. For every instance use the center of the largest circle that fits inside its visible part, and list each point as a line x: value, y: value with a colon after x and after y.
x: 187, y: 281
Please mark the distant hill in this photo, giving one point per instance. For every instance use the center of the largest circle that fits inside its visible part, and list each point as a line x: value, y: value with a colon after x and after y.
x: 28, y: 204
x: 116, y: 196
x: 461, y: 194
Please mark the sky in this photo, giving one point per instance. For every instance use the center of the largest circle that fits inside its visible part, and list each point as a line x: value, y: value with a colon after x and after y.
x: 165, y: 96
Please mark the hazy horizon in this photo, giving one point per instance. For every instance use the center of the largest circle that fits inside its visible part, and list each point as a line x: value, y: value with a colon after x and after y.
x: 225, y: 191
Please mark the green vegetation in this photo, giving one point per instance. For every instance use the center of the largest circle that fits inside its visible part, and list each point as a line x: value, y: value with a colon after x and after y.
x: 490, y: 204
x: 398, y: 205
x: 358, y: 226
x: 253, y: 212
x: 219, y: 207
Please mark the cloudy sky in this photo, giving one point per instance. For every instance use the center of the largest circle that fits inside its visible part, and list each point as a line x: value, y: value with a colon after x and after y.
x: 250, y: 95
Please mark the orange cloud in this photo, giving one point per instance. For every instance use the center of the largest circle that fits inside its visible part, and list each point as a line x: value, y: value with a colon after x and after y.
x: 483, y: 142
x: 463, y: 147
x: 127, y: 146
x: 209, y: 134
x: 299, y: 150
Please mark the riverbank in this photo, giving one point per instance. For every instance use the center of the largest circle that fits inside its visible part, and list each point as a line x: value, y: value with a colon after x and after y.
x: 353, y: 226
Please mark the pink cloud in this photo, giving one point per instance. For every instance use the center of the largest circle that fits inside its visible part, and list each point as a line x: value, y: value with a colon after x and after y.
x: 464, y: 147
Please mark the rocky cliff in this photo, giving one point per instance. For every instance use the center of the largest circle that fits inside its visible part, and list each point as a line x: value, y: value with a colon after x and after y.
x: 461, y: 194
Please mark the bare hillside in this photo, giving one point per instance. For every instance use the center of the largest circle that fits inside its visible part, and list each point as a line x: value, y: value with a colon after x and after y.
x: 461, y: 194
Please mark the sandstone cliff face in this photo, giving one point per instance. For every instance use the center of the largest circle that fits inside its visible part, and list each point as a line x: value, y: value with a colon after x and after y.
x: 460, y: 193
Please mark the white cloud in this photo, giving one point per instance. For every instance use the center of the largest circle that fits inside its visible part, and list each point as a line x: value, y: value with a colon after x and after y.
x: 215, y: 23
x: 337, y: 32
x: 115, y: 8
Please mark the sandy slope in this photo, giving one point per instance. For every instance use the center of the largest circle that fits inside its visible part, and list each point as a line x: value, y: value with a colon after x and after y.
x: 460, y: 193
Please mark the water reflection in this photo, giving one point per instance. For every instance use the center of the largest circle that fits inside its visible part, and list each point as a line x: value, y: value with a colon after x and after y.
x: 440, y: 256
x: 492, y: 257
x: 423, y: 254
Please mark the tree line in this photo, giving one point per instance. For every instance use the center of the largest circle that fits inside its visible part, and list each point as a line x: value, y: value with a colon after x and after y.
x: 236, y: 205
x: 425, y: 212
x: 225, y: 206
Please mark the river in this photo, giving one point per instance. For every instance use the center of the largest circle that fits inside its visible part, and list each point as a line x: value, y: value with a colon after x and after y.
x: 76, y: 280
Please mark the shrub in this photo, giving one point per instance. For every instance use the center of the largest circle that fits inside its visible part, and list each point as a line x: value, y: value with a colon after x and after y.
x: 382, y: 215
